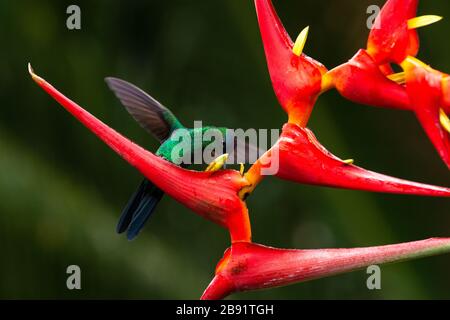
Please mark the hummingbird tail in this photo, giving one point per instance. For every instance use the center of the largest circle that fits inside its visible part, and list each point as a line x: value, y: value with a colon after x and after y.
x: 142, y: 203
x: 143, y: 213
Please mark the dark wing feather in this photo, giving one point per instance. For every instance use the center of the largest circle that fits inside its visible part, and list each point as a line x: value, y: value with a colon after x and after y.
x: 143, y: 213
x: 147, y: 111
x: 133, y: 204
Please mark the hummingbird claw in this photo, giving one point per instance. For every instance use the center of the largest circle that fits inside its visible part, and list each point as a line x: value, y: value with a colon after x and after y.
x: 217, y: 163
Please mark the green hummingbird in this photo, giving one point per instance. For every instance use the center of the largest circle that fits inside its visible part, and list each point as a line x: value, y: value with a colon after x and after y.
x: 160, y: 122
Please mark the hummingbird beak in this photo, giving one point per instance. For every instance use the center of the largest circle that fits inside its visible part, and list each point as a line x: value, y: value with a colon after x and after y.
x: 201, y: 192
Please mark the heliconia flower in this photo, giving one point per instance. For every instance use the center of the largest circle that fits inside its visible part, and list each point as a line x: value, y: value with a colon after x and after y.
x: 302, y: 159
x: 213, y: 195
x: 367, y: 78
x: 429, y: 95
x: 296, y: 78
x: 394, y: 34
x: 419, y: 88
x: 360, y: 80
x: 249, y: 266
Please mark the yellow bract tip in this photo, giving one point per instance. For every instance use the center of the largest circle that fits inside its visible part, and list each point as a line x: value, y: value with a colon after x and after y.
x: 217, y: 164
x: 30, y: 69
x: 422, y: 21
x: 241, y: 169
x: 349, y: 161
x: 34, y: 76
x: 400, y: 77
x: 300, y: 42
x: 445, y: 121
x: 412, y: 62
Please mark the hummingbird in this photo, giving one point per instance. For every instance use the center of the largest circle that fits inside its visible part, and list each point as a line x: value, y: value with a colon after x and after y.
x: 163, y: 125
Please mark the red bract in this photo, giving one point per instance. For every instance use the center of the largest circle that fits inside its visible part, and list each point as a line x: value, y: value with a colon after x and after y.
x: 390, y: 39
x: 214, y: 196
x: 248, y: 266
x: 360, y: 80
x: 446, y: 93
x: 364, y: 79
x: 296, y: 79
x: 428, y: 92
x: 301, y: 158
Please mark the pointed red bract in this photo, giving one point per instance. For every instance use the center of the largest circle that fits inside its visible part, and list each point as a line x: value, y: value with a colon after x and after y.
x: 425, y: 92
x: 249, y: 266
x: 301, y: 158
x: 390, y: 40
x: 296, y: 79
x: 426, y: 88
x: 214, y: 196
x: 360, y: 80
x: 446, y: 94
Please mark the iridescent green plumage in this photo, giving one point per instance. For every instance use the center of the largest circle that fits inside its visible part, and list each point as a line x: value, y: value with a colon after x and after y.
x: 166, y: 150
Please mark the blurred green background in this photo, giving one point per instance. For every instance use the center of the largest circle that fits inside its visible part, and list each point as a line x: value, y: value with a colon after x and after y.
x: 62, y: 190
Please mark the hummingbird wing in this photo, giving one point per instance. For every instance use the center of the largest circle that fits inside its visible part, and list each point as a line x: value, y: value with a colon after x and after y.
x: 147, y: 111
